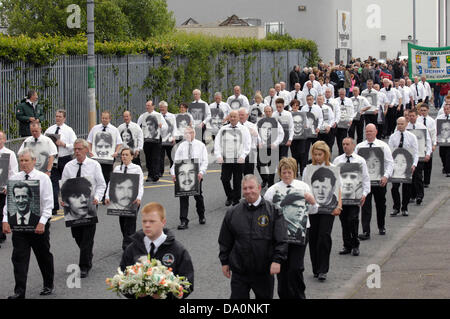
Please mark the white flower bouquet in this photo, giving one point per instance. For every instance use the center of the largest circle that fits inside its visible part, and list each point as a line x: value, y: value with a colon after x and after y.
x: 148, y: 277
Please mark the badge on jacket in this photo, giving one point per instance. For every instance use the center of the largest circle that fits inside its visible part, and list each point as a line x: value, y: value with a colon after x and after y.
x: 263, y: 220
x: 168, y: 259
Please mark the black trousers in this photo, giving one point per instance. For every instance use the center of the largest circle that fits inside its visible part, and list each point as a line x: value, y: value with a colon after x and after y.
x: 379, y: 195
x: 23, y: 242
x: 291, y: 284
x: 328, y: 138
x: 2, y: 204
x: 283, y: 151
x: 128, y: 228
x: 380, y: 130
x: 406, y: 195
x: 266, y: 167
x: 261, y: 284
x: 84, y: 237
x: 250, y: 160
x: 390, y: 120
x: 309, y: 142
x: 341, y: 133
x: 399, y: 113
x: 229, y: 171
x: 320, y: 242
x: 357, y: 126
x: 152, y: 159
x: 55, y: 177
x: 417, y: 189
x: 349, y: 218
x: 298, y: 152
x: 137, y: 160
x: 370, y: 118
x: 199, y: 204
x: 444, y: 153
x: 106, y: 171
x: 427, y: 168
x: 165, y: 149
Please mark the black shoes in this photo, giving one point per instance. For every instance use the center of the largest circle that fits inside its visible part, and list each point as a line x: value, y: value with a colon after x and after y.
x: 395, y: 212
x: 405, y: 213
x: 17, y: 296
x: 364, y: 236
x: 355, y: 251
x: 228, y: 202
x: 183, y: 225
x: 84, y: 273
x: 412, y: 200
x: 322, y: 277
x: 382, y: 231
x: 419, y: 201
x: 316, y: 275
x: 426, y: 185
x: 46, y: 291
x: 202, y: 221
x: 148, y: 180
x: 345, y: 251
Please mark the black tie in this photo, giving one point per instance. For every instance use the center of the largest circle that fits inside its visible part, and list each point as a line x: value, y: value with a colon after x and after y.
x: 417, y: 90
x: 57, y: 130
x: 370, y: 144
x: 289, y: 186
x: 217, y: 104
x: 104, y: 128
x: 414, y: 126
x: 328, y: 101
x: 348, y: 158
x: 295, y: 98
x: 310, y: 109
x: 126, y: 125
x: 271, y: 99
x: 35, y: 139
x: 342, y: 102
x: 425, y: 121
x: 447, y: 118
x: 152, y: 250
x: 79, y: 170
x: 402, y: 138
x: 124, y: 171
x: 27, y: 177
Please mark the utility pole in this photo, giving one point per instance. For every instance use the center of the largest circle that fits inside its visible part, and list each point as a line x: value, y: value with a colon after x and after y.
x: 414, y: 21
x: 91, y: 64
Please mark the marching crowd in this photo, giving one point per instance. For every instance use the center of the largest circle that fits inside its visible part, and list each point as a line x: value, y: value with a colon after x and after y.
x: 355, y: 106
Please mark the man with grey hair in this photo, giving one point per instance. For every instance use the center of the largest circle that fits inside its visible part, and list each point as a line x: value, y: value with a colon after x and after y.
x: 29, y: 111
x: 271, y: 98
x: 200, y: 120
x: 243, y: 100
x: 132, y: 136
x: 39, y: 238
x: 219, y: 104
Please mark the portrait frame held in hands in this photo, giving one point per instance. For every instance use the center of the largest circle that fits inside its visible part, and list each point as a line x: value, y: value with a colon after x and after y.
x: 23, y: 202
x: 374, y: 157
x: 187, y: 183
x: 123, y: 191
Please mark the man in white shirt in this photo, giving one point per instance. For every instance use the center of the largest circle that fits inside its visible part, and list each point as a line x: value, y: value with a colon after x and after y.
x: 151, y: 123
x: 326, y: 132
x: 417, y: 191
x: 430, y: 124
x: 219, y: 104
x: 360, y: 105
x: 401, y: 138
x: 345, y: 121
x: 83, y: 166
x: 298, y: 94
x: 35, y: 234
x: 271, y: 98
x: 237, y: 100
x: 231, y: 147
x: 427, y: 89
x: 316, y: 111
x: 444, y: 151
x: 132, y: 136
x: 392, y: 102
x: 65, y: 152
x: 314, y: 84
x: 250, y: 160
x: 167, y: 136
x: 418, y: 91
x: 379, y: 190
x: 382, y: 111
x: 327, y: 85
x: 349, y: 215
x: 408, y: 96
x: 189, y: 149
x: 286, y: 121
x: 308, y: 89
x: 287, y: 95
x: 200, y: 119
x: 280, y: 94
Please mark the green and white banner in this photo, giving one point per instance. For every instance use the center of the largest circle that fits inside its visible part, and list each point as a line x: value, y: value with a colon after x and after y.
x: 432, y: 62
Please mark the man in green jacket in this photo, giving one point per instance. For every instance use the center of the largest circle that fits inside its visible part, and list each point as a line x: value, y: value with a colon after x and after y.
x: 28, y: 111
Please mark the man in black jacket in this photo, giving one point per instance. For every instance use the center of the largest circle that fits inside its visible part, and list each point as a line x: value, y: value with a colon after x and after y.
x: 29, y: 111
x: 252, y: 243
x: 160, y: 243
x: 294, y: 77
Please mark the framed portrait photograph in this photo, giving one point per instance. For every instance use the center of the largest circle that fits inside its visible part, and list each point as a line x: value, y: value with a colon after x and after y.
x: 182, y: 120
x: 356, y: 108
x: 235, y: 104
x: 4, y: 169
x: 198, y: 112
x: 215, y: 123
x: 295, y: 209
x: 268, y: 130
x: 24, y: 205
x: 443, y: 132
x: 123, y: 191
x: 186, y: 172
x: 167, y: 135
x: 151, y: 129
x: 129, y: 136
x: 40, y: 150
x: 311, y: 125
x: 374, y: 157
x: 284, y: 122
x: 346, y: 116
x: 300, y: 125
x: 372, y: 98
x: 352, y: 183
x: 78, y: 196
x: 255, y: 114
x: 403, y: 161
x: 421, y: 135
x: 232, y: 145
x: 54, y: 137
x: 325, y: 185
x: 103, y: 147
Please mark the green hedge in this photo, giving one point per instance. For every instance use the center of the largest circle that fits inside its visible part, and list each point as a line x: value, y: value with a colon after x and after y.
x: 45, y: 50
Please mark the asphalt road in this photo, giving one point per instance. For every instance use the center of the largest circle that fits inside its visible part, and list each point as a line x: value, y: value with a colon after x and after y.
x: 201, y: 242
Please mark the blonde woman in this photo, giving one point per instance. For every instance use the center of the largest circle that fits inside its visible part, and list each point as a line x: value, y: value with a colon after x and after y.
x: 296, y: 201
x: 256, y: 111
x: 324, y: 180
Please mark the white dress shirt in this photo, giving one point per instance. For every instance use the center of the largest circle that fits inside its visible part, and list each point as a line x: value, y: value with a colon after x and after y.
x: 409, y: 142
x: 270, y: 100
x: 301, y: 96
x: 328, y: 86
x: 253, y: 129
x: 284, y: 95
x: 226, y: 109
x: 45, y: 193
x: 285, y: 117
x: 199, y: 153
x: 316, y: 110
x: 313, y: 91
x: 110, y: 129
x: 131, y: 169
x: 157, y: 242
x: 330, y: 120
x: 388, y: 160
x: 316, y: 85
x: 48, y: 149
x: 331, y: 102
x: 431, y: 127
x: 355, y: 158
x: 13, y: 165
x: 391, y: 96
x: 427, y: 89
x: 359, y: 103
x: 419, y: 92
x: 142, y: 123
x: 89, y: 168
x: 245, y: 102
x: 246, y: 141
x: 428, y: 143
x: 138, y: 139
x: 68, y: 136
x: 375, y: 106
x: 407, y: 94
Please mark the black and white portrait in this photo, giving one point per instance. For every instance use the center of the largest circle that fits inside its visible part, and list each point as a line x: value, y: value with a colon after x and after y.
x: 236, y: 104
x: 198, y: 112
x: 295, y: 211
x: 123, y: 191
x: 326, y: 117
x: 103, y: 147
x: 311, y: 124
x: 352, y: 183
x: 215, y: 123
x: 187, y: 183
x: 24, y: 210
x: 284, y: 122
x: 167, y: 135
x: 255, y: 114
x: 374, y: 157
x: 300, y: 125
x: 129, y: 136
x: 53, y: 137
x: 267, y: 129
x: 78, y: 196
x: 4, y: 167
x: 151, y: 129
x: 40, y: 149
x: 324, y: 182
x: 372, y: 98
x: 357, y: 108
x: 182, y: 120
x: 443, y: 132
x: 232, y: 145
x: 421, y: 135
x: 403, y: 161
x: 346, y: 116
